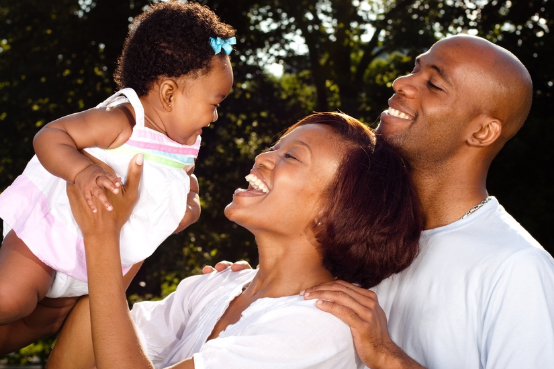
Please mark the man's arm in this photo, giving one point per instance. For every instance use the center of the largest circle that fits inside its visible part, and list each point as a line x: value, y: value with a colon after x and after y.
x: 359, y: 308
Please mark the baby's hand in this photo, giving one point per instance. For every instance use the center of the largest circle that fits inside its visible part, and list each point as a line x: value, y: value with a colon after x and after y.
x: 92, y: 180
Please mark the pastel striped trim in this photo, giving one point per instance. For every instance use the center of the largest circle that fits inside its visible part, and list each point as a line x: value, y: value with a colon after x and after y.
x: 185, y: 150
x: 143, y: 133
x: 128, y: 150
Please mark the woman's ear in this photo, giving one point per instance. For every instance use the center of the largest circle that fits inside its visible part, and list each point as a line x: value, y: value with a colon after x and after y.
x: 488, y: 132
x: 168, y: 88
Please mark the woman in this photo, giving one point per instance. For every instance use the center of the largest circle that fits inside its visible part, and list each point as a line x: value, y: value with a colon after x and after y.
x: 325, y: 202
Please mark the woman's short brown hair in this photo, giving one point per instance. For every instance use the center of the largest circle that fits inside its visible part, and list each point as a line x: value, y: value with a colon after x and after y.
x: 371, y: 222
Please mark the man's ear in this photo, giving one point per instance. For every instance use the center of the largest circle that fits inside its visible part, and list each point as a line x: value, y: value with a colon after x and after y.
x: 168, y: 88
x: 487, y: 132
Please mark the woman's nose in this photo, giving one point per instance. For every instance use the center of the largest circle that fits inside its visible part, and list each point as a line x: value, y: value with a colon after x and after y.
x: 404, y: 86
x: 266, y: 160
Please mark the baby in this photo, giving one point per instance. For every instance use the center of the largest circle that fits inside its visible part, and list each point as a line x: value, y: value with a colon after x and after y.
x: 173, y: 73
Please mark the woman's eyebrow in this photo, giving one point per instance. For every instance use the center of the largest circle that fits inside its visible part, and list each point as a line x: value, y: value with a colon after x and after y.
x: 302, y: 143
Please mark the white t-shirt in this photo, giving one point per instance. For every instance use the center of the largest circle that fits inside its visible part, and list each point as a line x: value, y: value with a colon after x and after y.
x: 479, y: 295
x: 286, y: 332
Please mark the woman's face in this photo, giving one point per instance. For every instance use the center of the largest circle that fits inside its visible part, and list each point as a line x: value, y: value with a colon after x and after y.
x: 287, y: 183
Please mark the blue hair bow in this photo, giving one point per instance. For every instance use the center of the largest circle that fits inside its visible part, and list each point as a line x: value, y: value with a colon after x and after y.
x: 218, y: 43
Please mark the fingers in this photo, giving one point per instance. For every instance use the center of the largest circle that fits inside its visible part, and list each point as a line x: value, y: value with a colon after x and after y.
x: 357, y: 299
x: 240, y: 265
x: 222, y: 265
x: 109, y: 181
x: 133, y: 175
x: 208, y: 269
x: 98, y: 193
x: 342, y: 312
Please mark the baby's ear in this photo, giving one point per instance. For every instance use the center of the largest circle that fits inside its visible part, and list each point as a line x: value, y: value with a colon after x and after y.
x: 168, y: 88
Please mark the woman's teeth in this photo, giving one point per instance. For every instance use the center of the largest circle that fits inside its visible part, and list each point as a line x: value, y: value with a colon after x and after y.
x: 257, y: 183
x: 398, y: 114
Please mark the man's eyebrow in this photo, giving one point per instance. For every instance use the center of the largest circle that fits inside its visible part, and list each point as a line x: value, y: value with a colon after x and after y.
x: 441, y: 72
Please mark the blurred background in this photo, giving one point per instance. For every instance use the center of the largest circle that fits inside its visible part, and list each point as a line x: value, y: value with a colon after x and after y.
x: 293, y: 57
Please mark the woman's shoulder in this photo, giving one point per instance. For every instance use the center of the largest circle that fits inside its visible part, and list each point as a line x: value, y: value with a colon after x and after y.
x: 295, y: 314
x: 288, y: 331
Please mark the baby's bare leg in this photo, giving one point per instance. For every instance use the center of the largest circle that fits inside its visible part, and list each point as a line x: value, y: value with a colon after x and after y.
x: 45, y: 320
x: 24, y: 280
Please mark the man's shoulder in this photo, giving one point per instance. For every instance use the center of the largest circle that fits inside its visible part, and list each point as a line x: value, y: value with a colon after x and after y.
x: 490, y: 230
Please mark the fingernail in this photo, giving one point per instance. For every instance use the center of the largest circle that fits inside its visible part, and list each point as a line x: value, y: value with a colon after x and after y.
x: 306, y: 294
x: 94, y: 210
x: 140, y: 159
x: 117, y: 184
x: 302, y: 292
x: 110, y: 208
x: 319, y: 302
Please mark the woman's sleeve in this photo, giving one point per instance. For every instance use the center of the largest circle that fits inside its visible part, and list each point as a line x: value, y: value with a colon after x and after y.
x: 292, y: 338
x: 160, y: 324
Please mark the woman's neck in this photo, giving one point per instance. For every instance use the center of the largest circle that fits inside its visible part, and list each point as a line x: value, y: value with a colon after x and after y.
x: 287, y: 266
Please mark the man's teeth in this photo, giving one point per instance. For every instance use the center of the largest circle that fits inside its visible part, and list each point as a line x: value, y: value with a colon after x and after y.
x: 256, y: 183
x: 397, y: 113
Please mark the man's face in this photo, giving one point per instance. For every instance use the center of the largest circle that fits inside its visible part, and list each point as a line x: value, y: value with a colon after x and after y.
x: 429, y: 113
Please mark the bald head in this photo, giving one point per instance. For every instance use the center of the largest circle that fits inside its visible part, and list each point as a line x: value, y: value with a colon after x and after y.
x: 504, y: 88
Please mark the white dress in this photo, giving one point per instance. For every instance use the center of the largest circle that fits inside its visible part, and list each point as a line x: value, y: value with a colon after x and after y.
x: 286, y: 332
x: 36, y: 206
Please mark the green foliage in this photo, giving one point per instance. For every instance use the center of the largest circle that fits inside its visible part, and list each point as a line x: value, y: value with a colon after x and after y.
x: 57, y: 57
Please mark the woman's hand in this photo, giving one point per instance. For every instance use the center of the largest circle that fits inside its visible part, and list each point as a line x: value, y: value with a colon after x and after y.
x: 360, y: 309
x: 123, y: 202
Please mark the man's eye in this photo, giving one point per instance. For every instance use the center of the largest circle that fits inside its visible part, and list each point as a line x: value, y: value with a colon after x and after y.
x: 432, y: 86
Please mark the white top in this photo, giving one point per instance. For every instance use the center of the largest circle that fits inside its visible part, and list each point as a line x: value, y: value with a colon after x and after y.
x: 36, y: 206
x: 479, y: 295
x: 286, y: 332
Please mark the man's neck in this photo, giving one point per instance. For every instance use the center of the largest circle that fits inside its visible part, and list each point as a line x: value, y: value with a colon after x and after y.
x: 447, y: 193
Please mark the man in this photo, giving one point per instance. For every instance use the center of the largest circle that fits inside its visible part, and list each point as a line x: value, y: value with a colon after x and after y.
x: 481, y: 292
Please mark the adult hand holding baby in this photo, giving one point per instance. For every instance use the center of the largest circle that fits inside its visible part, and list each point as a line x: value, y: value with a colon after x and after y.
x: 123, y: 204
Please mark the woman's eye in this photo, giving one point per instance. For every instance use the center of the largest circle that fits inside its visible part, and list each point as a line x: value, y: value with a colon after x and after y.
x: 289, y: 156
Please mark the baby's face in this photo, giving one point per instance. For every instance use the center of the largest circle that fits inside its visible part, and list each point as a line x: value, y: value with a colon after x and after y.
x: 196, y: 101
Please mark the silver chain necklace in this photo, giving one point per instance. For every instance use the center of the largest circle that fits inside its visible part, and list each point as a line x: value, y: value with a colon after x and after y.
x: 476, y: 207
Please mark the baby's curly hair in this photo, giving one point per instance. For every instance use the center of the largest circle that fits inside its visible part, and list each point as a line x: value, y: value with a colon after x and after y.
x: 170, y: 39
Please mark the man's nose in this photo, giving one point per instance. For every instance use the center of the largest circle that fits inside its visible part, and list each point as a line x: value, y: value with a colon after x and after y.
x: 404, y: 86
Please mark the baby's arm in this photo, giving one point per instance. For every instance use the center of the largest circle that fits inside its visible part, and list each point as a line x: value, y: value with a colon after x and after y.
x: 57, y: 147
x: 192, y: 213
